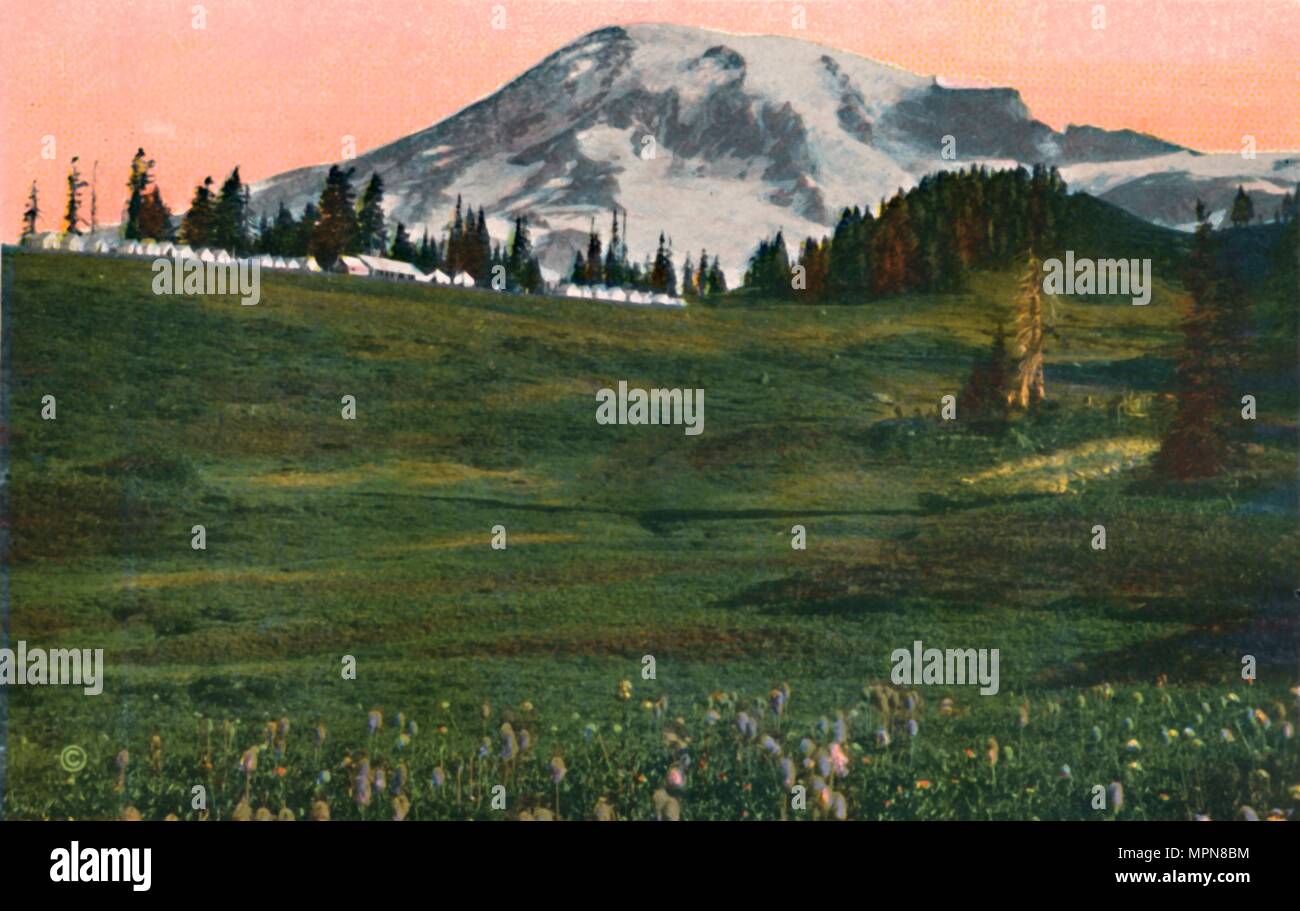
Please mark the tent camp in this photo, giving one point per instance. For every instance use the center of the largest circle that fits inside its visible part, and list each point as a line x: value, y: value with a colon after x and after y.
x: 463, y: 279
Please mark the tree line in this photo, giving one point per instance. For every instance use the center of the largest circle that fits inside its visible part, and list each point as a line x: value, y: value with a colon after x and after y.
x: 925, y: 239
x: 608, y: 264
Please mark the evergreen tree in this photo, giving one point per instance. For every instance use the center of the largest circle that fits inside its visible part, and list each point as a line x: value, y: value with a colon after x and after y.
x: 335, y: 231
x: 1028, y: 388
x: 688, y: 277
x: 229, y: 229
x: 482, y: 250
x: 578, y: 275
x: 138, y: 184
x: 1203, y: 438
x: 717, y: 280
x: 1243, y: 209
x: 402, y: 249
x: 373, y: 236
x: 614, y: 255
x: 595, y: 270
x: 155, y: 219
x: 30, y: 214
x: 197, y: 225
x: 72, y: 217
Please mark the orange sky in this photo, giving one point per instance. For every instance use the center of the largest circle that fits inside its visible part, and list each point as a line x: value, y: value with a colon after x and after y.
x: 275, y: 84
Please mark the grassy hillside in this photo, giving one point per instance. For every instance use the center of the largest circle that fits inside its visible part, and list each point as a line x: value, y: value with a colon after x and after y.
x: 370, y: 538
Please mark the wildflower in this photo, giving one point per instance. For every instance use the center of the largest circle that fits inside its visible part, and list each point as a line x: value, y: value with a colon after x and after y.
x: 401, y: 806
x: 747, y: 726
x: 1022, y: 716
x: 323, y: 778
x: 526, y: 706
x: 1226, y: 736
x: 1262, y: 719
x: 776, y: 701
x: 912, y: 727
x: 263, y: 815
x: 993, y: 751
x: 1189, y: 731
x: 484, y: 748
x: 711, y: 717
x: 248, y: 761
x: 787, y: 773
x: 839, y: 761
x: 130, y: 814
x: 675, y: 778
x: 625, y: 690
x: 1247, y: 814
x: 1132, y: 745
x: 485, y: 710
x: 243, y: 812
x: 647, y: 704
x: 946, y: 707
x: 1115, y: 794
x: 1287, y: 730
x: 770, y: 746
x: 1064, y: 772
x: 320, y: 736
x: 320, y: 811
x: 1009, y: 752
x: 1128, y: 724
x: 444, y: 705
x: 603, y: 812
x: 1201, y: 817
x: 375, y: 720
x: 1096, y: 732
x: 840, y: 730
x: 381, y: 780
x: 667, y: 809
x: 1233, y: 697
x: 403, y: 741
x: 1138, y: 697
x: 361, y: 788
x: 412, y: 729
x: 923, y: 785
x: 882, y: 737
x: 806, y: 746
x: 509, y: 746
x: 439, y: 777
x: 839, y: 807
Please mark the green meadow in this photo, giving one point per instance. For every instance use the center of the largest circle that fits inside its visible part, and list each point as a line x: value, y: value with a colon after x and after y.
x: 371, y: 538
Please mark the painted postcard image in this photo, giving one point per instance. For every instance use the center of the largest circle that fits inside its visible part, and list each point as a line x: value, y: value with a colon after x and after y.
x: 630, y: 411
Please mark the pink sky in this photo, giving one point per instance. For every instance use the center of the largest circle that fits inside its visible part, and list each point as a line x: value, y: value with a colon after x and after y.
x: 276, y: 84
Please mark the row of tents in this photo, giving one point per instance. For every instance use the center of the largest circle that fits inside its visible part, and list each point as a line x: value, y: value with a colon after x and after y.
x: 352, y: 265
x: 620, y: 295
x: 362, y: 264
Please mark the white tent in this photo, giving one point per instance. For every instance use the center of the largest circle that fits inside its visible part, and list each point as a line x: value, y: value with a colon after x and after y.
x: 278, y: 263
x: 292, y: 263
x: 352, y: 266
x: 310, y: 264
x: 133, y: 248
x: 166, y: 248
x: 665, y: 299
x: 266, y: 261
x: 615, y: 294
x: 73, y: 243
x: 638, y: 297
x: 463, y: 279
x: 391, y: 268
x: 224, y: 257
x: 183, y: 251
x: 586, y: 292
x: 151, y: 248
x: 441, y: 277
x: 103, y: 246
x: 207, y: 255
x: 571, y: 291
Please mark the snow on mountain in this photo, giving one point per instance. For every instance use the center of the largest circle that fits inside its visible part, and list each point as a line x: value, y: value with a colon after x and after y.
x: 718, y: 139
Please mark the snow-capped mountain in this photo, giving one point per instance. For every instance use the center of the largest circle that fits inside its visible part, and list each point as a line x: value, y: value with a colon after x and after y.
x: 718, y: 139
